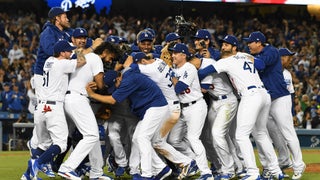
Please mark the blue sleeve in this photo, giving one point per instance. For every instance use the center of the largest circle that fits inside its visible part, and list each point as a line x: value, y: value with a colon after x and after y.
x: 259, y: 64
x: 270, y: 55
x: 180, y: 87
x: 47, y: 42
x: 205, y: 86
x: 202, y: 73
x: 134, y: 66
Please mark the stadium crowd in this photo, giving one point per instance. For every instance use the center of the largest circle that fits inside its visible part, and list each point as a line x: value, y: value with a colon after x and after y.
x: 19, y: 36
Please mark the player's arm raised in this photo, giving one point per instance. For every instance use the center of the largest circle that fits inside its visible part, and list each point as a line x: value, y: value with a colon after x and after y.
x: 81, y: 60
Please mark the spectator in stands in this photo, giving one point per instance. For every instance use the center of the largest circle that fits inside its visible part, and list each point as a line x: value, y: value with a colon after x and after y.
x: 15, y: 53
x: 304, y: 102
x: 17, y: 100
x: 5, y: 95
x: 315, y: 123
x: 301, y: 73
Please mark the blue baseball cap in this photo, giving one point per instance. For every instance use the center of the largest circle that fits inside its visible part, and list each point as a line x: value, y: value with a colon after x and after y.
x: 256, y: 37
x: 203, y: 34
x: 145, y: 36
x: 6, y: 84
x: 172, y: 36
x: 62, y: 46
x: 230, y: 39
x: 123, y: 40
x: 80, y: 32
x: 55, y: 11
x: 151, y: 31
x: 285, y: 52
x: 181, y: 48
x: 113, y: 39
x: 138, y: 56
x: 110, y: 80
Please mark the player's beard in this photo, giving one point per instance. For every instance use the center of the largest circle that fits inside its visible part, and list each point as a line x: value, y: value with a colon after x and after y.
x: 226, y: 53
x: 65, y: 25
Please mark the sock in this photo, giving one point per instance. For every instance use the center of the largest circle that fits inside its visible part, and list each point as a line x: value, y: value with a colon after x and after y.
x: 49, y: 154
x: 36, y: 153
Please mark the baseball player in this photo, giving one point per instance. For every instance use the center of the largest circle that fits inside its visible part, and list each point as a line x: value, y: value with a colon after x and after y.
x: 49, y: 115
x: 253, y: 108
x: 222, y: 111
x: 120, y: 126
x: 272, y: 77
x: 150, y: 105
x: 158, y: 71
x: 194, y: 108
x: 55, y: 29
x: 79, y: 40
x: 273, y: 130
x: 203, y: 40
x: 77, y: 106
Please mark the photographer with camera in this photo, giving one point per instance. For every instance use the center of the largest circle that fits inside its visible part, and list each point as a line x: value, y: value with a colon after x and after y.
x: 204, y: 45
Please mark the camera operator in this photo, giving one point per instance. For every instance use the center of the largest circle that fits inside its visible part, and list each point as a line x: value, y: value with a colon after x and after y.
x: 204, y: 45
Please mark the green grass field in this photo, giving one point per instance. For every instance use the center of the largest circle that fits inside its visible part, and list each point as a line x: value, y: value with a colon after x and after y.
x: 14, y: 163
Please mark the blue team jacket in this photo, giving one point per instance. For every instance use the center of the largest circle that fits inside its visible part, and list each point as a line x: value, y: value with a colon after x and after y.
x: 142, y: 92
x: 48, y: 37
x: 272, y: 74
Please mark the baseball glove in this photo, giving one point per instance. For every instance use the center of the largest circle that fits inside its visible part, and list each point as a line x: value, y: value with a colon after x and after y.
x: 166, y: 55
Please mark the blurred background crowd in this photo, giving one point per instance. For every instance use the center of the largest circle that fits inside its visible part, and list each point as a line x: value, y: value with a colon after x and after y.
x: 19, y: 38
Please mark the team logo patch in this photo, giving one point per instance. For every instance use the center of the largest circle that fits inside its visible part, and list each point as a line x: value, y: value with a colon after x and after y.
x: 185, y: 75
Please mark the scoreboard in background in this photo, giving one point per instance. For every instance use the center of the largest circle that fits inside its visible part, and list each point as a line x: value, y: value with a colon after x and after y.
x: 68, y: 4
x: 296, y: 2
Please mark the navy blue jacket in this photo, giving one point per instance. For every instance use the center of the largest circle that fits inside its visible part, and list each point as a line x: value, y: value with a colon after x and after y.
x: 272, y: 74
x: 48, y: 37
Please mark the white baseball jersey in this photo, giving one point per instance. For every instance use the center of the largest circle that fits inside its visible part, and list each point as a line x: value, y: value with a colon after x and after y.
x: 220, y: 81
x: 159, y: 72
x: 77, y: 106
x: 49, y: 117
x: 288, y: 80
x: 188, y: 74
x: 231, y: 66
x: 85, y: 74
x: 55, y: 78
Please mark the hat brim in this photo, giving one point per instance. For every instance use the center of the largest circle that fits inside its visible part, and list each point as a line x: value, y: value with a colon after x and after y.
x: 70, y: 48
x: 248, y: 40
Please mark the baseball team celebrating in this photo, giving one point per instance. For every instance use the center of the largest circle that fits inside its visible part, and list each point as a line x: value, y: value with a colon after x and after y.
x: 172, y: 114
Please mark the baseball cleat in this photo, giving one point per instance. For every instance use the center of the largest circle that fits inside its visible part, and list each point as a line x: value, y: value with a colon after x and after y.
x: 206, y: 177
x: 136, y: 177
x: 120, y: 171
x: 251, y: 177
x: 25, y: 176
x: 112, y: 165
x: 298, y: 174
x: 225, y: 176
x: 266, y: 174
x: 165, y: 172
x: 69, y: 175
x: 186, y: 170
x: 47, y: 169
x: 33, y: 167
x: 102, y: 177
x: 279, y: 176
x: 241, y: 174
